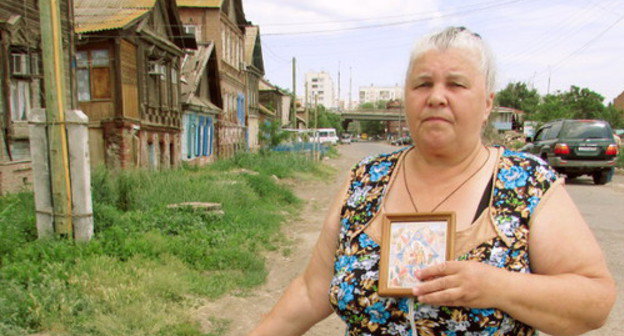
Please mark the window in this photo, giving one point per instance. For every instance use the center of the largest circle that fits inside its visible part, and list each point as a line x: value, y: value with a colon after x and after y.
x: 19, y: 64
x: 93, y: 75
x: 175, y: 92
x: 20, y: 99
x: 193, y: 30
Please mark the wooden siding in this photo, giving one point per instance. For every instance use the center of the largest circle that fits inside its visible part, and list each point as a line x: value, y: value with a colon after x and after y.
x: 97, y: 111
x: 130, y: 91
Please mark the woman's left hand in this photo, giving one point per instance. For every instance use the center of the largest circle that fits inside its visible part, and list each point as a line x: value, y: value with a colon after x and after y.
x: 459, y: 283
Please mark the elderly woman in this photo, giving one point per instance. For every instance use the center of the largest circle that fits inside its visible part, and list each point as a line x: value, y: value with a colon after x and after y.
x: 525, y: 258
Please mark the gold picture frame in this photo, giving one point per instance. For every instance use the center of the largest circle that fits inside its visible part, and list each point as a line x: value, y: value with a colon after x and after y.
x: 410, y: 242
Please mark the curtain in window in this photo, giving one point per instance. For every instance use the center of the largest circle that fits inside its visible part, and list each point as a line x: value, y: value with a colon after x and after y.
x: 20, y: 99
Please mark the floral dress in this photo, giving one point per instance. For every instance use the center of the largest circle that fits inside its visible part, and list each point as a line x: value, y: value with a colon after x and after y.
x: 520, y: 182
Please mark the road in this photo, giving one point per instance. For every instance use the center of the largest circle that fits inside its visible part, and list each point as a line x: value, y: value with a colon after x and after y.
x: 599, y: 205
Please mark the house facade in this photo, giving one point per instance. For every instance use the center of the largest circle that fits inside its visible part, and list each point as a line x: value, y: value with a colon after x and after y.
x: 223, y: 23
x: 127, y: 80
x: 22, y: 84
x: 276, y: 102
x: 618, y: 102
x: 201, y: 105
x: 255, y: 71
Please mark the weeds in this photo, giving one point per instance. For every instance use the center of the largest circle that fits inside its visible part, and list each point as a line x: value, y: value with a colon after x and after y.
x: 147, y: 265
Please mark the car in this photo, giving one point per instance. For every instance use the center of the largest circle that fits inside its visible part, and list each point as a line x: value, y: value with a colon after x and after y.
x: 325, y: 136
x: 345, y: 138
x: 576, y: 147
x: 402, y: 141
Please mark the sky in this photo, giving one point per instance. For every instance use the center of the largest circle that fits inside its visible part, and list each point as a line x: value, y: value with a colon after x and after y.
x: 550, y: 45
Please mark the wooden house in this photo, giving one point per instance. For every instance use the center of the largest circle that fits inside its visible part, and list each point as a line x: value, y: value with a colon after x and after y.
x: 223, y: 23
x: 22, y: 85
x: 128, y: 55
x: 201, y: 104
x: 255, y: 71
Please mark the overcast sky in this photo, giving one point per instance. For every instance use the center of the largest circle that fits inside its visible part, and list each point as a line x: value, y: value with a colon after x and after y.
x: 570, y: 42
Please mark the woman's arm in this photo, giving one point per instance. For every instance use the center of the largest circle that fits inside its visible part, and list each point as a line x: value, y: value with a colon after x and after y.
x: 306, y: 300
x: 569, y: 292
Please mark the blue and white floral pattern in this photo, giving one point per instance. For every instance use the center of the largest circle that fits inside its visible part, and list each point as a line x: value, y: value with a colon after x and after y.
x: 520, y: 183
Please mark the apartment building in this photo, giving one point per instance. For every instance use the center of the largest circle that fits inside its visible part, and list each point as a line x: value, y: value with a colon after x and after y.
x: 371, y: 94
x: 319, y: 88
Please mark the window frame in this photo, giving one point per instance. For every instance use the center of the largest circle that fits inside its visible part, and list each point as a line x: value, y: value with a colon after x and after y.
x: 95, y: 65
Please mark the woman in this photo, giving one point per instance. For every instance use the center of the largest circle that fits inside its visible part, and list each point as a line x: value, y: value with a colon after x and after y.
x: 504, y: 280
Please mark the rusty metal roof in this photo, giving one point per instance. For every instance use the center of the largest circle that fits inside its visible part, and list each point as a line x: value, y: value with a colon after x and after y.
x: 200, y: 3
x: 97, y: 15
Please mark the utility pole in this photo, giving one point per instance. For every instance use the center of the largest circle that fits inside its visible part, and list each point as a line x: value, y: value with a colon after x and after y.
x: 55, y: 115
x: 350, y: 83
x: 317, y: 142
x: 306, y: 107
x: 58, y: 143
x: 548, y: 89
x: 338, y: 100
x: 293, y: 113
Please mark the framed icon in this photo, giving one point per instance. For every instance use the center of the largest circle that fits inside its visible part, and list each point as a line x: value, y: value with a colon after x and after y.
x: 410, y: 242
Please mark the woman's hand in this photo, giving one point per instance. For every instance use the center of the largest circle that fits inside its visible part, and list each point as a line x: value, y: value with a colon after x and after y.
x: 459, y: 283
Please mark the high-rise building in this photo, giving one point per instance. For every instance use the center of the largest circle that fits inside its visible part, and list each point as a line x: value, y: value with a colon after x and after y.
x: 319, y: 88
x: 371, y: 94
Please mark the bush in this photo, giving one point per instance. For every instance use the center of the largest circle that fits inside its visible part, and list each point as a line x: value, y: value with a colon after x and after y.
x: 147, y: 264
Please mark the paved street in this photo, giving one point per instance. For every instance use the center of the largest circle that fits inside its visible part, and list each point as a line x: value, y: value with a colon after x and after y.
x: 600, y: 205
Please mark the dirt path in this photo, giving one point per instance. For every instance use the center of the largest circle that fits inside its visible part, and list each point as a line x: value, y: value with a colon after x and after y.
x: 244, y: 311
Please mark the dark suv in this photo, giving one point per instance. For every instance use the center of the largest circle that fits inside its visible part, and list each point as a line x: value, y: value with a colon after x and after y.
x: 577, y: 147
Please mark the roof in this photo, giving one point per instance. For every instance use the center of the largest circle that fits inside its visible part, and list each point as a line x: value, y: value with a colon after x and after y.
x: 502, y: 109
x: 98, y: 15
x: 200, y: 3
x: 263, y: 85
x: 193, y: 67
x: 265, y: 110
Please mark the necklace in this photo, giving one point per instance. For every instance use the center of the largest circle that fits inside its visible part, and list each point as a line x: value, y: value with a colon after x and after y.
x: 454, y: 190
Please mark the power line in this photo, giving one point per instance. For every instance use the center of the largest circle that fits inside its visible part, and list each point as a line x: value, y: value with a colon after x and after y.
x: 380, y: 25
x: 583, y: 47
x: 377, y: 18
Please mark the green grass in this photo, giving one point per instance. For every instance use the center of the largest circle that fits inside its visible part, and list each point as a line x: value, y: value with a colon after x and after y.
x: 148, y: 266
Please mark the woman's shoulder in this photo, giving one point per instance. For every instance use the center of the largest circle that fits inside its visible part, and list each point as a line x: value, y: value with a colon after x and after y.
x: 515, y: 162
x: 372, y: 160
x: 522, y: 157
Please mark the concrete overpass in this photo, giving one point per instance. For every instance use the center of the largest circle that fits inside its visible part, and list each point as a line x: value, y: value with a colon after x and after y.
x: 379, y: 115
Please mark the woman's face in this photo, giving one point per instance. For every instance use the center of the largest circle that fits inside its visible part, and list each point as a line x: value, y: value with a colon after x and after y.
x: 446, y: 99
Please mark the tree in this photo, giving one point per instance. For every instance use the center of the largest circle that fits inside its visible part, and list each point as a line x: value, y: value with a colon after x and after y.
x: 378, y: 105
x: 519, y: 96
x: 576, y: 103
x: 271, y: 134
x: 372, y: 127
x: 326, y: 119
x: 583, y: 103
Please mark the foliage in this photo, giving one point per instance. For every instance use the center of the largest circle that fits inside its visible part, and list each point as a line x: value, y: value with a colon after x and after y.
x: 576, y: 103
x: 325, y: 119
x: 271, y: 133
x: 372, y: 127
x: 378, y: 105
x: 148, y: 265
x: 519, y: 96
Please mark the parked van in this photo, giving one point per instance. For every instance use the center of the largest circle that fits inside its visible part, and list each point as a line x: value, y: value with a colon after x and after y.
x: 325, y: 135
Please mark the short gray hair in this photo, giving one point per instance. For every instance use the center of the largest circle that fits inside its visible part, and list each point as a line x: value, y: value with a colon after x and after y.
x: 462, y: 38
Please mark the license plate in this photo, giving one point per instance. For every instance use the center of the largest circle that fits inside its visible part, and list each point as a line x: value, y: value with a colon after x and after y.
x: 587, y: 149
